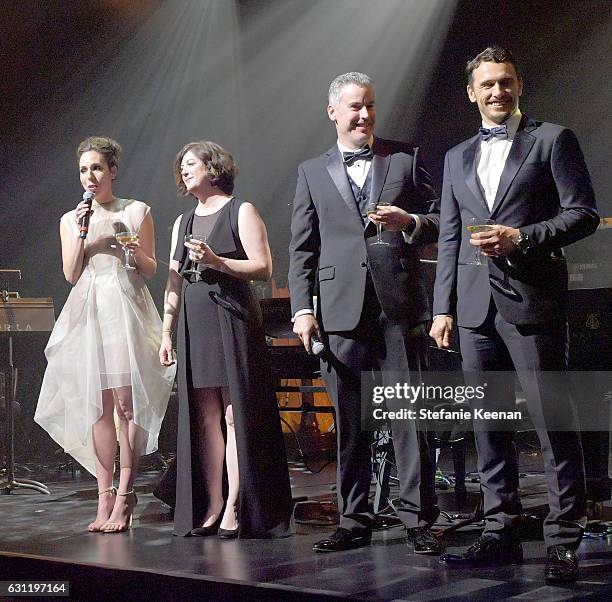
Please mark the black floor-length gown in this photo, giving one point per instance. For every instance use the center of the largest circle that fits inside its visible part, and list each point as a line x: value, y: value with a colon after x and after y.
x: 227, y: 304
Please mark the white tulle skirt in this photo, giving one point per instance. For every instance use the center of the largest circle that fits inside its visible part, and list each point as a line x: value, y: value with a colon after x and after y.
x: 107, y: 336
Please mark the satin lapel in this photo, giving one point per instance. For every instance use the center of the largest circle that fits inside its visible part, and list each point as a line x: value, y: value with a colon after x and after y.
x: 521, y: 145
x: 380, y: 169
x: 469, y: 171
x: 337, y: 173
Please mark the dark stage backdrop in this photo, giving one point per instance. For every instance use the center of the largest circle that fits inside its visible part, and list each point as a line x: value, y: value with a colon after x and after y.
x: 252, y: 75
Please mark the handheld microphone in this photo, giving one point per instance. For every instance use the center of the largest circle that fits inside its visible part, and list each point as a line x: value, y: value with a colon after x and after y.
x: 316, y: 346
x: 84, y: 221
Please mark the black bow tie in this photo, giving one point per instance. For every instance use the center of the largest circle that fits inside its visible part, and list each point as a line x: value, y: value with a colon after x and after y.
x: 351, y: 156
x: 501, y: 131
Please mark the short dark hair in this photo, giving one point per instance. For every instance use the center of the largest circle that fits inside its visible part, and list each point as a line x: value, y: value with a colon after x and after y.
x: 492, y: 54
x: 107, y: 147
x: 220, y: 165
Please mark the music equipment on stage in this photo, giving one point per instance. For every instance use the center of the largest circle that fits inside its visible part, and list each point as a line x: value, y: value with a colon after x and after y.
x: 8, y: 282
x: 288, y: 357
x: 19, y: 318
x: 590, y: 350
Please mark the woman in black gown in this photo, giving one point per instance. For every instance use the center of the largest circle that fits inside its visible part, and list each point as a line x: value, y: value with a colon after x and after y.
x: 223, y: 369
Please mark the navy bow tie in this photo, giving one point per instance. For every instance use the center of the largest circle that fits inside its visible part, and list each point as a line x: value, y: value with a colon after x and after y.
x: 501, y: 131
x: 351, y: 156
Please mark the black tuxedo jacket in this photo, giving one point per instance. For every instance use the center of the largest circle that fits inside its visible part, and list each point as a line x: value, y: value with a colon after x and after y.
x: 545, y: 190
x: 331, y: 248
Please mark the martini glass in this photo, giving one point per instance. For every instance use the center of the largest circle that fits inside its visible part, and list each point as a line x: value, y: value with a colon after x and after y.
x: 478, y: 224
x: 124, y: 239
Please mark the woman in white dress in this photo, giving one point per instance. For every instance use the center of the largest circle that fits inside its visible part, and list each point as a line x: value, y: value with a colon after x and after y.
x: 103, y: 380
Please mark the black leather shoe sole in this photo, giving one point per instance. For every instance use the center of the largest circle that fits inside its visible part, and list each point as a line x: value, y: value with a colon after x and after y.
x: 560, y: 578
x: 423, y: 541
x: 339, y: 546
x: 431, y: 550
x: 459, y: 560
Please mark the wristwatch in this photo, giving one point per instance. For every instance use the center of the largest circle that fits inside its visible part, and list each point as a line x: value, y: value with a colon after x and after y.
x: 523, y: 242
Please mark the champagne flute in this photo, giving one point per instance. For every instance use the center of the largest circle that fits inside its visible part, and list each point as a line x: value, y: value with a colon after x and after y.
x: 478, y: 224
x: 125, y: 238
x: 372, y: 208
x: 195, y: 269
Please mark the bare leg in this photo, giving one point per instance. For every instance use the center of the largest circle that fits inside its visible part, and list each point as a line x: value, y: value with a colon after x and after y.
x: 131, y: 441
x: 230, y: 516
x: 105, y: 445
x: 208, y: 405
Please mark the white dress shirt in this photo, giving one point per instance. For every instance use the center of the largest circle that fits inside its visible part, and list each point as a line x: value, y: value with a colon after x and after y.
x: 491, y: 158
x: 358, y: 169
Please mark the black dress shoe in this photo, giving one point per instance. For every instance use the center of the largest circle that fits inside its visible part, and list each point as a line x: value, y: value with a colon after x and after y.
x: 561, y: 565
x: 487, y: 550
x: 343, y: 539
x: 227, y: 533
x: 423, y: 541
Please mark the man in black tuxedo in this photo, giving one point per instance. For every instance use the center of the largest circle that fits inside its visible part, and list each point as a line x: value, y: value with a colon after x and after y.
x: 372, y: 301
x: 531, y: 179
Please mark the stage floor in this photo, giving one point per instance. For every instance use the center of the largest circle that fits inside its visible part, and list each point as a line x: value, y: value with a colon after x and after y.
x: 45, y: 537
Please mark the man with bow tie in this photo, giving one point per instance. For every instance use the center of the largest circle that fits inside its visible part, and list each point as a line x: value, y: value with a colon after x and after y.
x: 531, y: 179
x: 372, y: 299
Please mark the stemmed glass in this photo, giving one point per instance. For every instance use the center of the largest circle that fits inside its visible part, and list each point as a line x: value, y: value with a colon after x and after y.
x: 477, y: 224
x: 124, y: 239
x: 195, y: 269
x: 371, y: 208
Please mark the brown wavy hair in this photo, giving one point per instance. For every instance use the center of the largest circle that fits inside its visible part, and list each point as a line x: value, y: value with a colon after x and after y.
x: 219, y: 164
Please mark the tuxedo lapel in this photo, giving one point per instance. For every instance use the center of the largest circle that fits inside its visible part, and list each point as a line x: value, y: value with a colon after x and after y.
x: 521, y: 145
x: 380, y: 168
x: 336, y: 170
x: 469, y: 171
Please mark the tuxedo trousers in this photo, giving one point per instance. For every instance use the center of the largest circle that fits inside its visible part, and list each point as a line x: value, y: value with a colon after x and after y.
x: 377, y: 344
x: 531, y: 350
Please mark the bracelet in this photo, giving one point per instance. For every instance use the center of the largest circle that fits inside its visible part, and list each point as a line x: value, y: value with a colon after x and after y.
x: 167, y: 331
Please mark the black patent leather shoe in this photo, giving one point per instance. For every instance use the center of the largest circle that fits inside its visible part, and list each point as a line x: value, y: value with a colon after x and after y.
x: 487, y: 551
x: 423, y: 541
x: 227, y: 533
x: 343, y: 539
x: 561, y: 565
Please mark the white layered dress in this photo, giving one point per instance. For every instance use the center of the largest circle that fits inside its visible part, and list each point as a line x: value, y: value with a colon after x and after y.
x: 107, y: 336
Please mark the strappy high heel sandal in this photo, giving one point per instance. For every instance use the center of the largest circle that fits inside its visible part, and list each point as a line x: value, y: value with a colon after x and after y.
x: 96, y: 527
x: 113, y: 527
